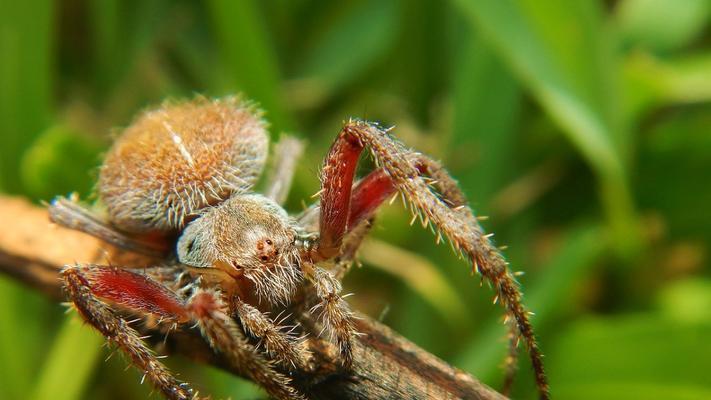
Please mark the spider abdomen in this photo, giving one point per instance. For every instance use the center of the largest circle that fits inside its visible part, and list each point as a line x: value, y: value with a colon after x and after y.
x: 174, y: 160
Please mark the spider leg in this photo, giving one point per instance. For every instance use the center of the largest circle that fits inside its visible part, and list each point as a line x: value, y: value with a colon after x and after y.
x: 511, y: 362
x: 367, y: 195
x: 416, y: 177
x: 279, y: 344
x: 69, y: 213
x: 286, y: 155
x: 78, y: 282
x: 349, y: 249
x: 309, y: 220
x: 92, y: 287
x: 343, y: 208
x: 225, y: 336
x: 336, y: 316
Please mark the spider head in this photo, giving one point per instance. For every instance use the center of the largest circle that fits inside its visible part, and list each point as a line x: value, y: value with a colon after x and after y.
x: 248, y: 236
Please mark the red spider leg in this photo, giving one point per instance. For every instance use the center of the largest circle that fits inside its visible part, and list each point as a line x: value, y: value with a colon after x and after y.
x: 334, y: 223
x: 85, y: 283
x: 89, y: 285
x: 134, y: 291
x: 368, y: 195
x: 336, y: 185
x: 448, y: 212
x: 342, y: 207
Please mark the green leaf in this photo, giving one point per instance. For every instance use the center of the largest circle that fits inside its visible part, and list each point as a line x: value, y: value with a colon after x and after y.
x: 629, y: 390
x: 654, y: 82
x: 662, y: 25
x: 631, y: 357
x: 70, y: 364
x: 560, y: 51
x: 687, y: 300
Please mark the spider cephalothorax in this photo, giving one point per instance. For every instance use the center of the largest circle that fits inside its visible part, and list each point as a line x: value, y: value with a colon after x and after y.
x: 247, y: 236
x: 178, y: 185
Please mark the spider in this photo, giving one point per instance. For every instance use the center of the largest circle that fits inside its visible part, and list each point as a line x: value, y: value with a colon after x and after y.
x: 178, y: 184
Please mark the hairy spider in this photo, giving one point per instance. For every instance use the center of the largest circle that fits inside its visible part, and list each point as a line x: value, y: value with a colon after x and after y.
x: 178, y: 185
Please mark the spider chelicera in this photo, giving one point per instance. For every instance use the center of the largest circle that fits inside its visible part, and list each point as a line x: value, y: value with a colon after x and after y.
x: 177, y: 185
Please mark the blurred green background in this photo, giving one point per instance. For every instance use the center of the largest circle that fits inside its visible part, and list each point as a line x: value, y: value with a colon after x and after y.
x: 582, y: 128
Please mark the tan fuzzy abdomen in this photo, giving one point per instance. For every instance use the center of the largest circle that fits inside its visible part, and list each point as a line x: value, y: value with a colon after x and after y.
x: 174, y: 160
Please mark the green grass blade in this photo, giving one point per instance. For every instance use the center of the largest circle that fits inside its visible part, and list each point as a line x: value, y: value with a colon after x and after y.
x: 561, y: 52
x: 662, y: 25
x: 26, y: 86
x: 249, y: 56
x: 420, y: 274
x: 26, y: 29
x: 15, y: 352
x: 70, y: 363
x: 107, y: 43
x: 655, y: 82
x: 487, y: 105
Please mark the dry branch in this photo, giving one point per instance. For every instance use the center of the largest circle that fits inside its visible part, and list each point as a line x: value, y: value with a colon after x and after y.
x: 386, y: 366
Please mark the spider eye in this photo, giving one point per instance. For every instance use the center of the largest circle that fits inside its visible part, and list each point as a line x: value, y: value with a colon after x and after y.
x: 266, y: 249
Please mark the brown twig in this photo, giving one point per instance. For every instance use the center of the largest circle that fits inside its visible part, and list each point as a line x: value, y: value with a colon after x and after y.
x: 386, y: 366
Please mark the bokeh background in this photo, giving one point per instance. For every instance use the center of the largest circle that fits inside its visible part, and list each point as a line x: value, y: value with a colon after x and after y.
x: 582, y: 128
